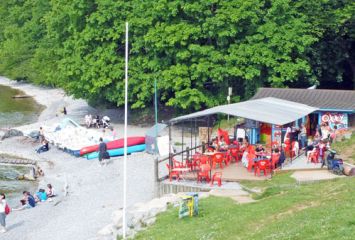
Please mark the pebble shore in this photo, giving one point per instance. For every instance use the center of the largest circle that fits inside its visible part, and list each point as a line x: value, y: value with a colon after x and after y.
x: 88, y: 194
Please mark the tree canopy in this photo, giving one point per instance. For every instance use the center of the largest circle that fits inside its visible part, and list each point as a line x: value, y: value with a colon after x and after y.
x: 195, y: 50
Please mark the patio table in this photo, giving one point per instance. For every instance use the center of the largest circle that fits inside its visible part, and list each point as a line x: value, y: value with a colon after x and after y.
x: 182, y: 171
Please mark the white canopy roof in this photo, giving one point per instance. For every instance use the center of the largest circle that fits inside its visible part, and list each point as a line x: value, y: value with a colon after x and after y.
x: 267, y: 110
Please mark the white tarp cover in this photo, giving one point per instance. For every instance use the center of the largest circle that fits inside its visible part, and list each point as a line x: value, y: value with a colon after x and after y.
x: 268, y: 110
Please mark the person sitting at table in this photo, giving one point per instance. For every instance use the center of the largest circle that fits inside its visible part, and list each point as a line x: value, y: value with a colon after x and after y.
x: 275, y: 148
x: 259, y: 149
x: 222, y: 145
x: 215, y: 144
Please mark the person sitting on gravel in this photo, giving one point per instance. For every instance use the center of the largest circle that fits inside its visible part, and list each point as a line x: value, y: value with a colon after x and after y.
x: 50, y: 191
x: 44, y: 147
x: 30, y: 201
x: 41, y: 196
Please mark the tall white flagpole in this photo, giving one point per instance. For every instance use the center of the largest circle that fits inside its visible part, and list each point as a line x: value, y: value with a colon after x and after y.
x: 125, y: 138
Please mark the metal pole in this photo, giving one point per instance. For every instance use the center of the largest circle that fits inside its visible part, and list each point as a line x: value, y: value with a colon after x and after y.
x: 156, y: 116
x: 195, y: 135
x: 208, y: 130
x: 170, y: 148
x: 182, y: 142
x: 156, y: 132
x: 208, y: 143
x: 125, y: 139
x: 191, y: 139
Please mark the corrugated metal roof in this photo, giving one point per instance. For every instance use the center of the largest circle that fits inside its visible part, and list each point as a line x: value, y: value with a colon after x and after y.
x: 319, y: 98
x: 268, y: 110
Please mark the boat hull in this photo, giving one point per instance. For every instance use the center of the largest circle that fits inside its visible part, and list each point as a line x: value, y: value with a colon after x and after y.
x: 118, y: 151
x: 131, y: 141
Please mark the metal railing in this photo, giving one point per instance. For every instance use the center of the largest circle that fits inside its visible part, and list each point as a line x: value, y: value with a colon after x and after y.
x: 188, y: 151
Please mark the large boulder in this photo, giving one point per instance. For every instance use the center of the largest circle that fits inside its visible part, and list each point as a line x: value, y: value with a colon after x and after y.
x: 107, y: 230
x: 11, y: 133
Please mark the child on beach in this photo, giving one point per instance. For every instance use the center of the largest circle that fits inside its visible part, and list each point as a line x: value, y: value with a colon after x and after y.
x: 50, y: 191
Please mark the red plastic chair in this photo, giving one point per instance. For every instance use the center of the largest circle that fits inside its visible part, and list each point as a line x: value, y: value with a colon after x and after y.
x: 251, y: 162
x: 262, y: 165
x: 218, y: 158
x: 274, y: 160
x: 195, y: 161
x: 204, y: 173
x: 313, y: 157
x: 172, y: 173
x: 234, y: 153
x: 217, y: 176
x: 177, y: 164
x: 204, y: 159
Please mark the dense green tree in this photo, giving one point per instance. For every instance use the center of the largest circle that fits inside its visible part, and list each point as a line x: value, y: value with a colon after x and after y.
x: 194, y: 49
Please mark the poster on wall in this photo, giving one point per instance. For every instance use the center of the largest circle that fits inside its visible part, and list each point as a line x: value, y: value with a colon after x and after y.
x: 203, y: 134
x: 336, y: 119
x: 276, y: 135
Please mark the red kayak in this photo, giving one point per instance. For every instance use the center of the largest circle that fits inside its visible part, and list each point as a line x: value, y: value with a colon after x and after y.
x: 131, y: 141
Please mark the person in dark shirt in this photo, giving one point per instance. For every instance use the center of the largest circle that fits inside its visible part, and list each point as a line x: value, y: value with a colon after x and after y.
x: 44, y: 147
x: 259, y: 149
x: 30, y: 200
x: 102, y: 150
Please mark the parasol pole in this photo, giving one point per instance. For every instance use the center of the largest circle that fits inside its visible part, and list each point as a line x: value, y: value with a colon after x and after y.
x: 125, y: 139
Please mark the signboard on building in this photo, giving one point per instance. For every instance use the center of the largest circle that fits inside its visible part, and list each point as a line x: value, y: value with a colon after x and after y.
x: 335, y: 119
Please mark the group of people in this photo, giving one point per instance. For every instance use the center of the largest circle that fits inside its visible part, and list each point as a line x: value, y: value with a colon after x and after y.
x: 27, y: 201
x: 42, y: 195
x: 95, y: 121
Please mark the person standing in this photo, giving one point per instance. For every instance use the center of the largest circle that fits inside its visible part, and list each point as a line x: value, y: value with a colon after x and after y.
x: 102, y: 150
x: 113, y: 133
x: 2, y: 213
x: 65, y: 110
x: 333, y: 134
x: 303, y: 135
x: 41, y: 135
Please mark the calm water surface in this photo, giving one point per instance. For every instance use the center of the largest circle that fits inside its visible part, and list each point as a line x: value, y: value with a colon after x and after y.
x: 17, y: 111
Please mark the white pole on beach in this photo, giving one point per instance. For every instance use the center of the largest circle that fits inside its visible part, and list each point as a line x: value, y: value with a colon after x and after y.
x: 125, y: 138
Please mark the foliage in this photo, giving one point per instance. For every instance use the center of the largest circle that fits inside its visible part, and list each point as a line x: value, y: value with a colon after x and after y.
x: 194, y: 50
x: 294, y: 213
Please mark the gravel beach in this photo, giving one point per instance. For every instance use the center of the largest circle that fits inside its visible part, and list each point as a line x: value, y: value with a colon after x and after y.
x: 94, y: 191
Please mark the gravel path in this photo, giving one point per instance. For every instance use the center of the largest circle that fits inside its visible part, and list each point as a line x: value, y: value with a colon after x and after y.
x: 94, y: 192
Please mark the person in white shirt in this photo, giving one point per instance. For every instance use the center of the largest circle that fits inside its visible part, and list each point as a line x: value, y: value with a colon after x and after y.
x: 2, y: 213
x: 50, y: 191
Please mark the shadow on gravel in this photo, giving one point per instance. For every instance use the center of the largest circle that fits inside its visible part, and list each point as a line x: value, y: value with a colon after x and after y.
x: 15, y: 225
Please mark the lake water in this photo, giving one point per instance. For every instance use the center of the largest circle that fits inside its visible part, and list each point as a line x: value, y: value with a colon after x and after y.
x: 16, y: 112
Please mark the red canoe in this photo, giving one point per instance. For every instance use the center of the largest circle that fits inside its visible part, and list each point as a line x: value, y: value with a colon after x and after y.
x: 131, y: 141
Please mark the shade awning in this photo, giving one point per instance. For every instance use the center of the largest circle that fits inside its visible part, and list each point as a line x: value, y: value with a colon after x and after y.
x: 268, y: 110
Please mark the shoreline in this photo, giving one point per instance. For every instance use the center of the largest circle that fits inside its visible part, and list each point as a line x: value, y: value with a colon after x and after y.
x: 93, y: 192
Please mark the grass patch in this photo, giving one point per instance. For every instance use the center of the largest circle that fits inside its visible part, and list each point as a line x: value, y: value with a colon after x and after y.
x: 346, y: 149
x: 322, y: 210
